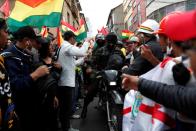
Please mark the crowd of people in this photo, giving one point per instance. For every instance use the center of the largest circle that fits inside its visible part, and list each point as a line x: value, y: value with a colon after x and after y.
x: 41, y: 83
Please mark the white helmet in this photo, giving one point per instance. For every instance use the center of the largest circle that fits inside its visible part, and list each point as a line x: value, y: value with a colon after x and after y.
x: 149, y: 26
x: 134, y: 39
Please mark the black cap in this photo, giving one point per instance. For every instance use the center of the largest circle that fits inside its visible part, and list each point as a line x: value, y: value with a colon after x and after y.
x: 68, y: 34
x: 23, y: 32
x: 111, y: 38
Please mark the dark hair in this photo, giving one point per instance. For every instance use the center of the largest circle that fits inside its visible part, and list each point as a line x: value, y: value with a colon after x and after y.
x: 184, y: 46
x: 68, y: 35
x: 111, y: 38
x: 45, y: 44
x: 79, y: 44
x: 2, y: 23
x: 23, y: 32
x: 187, y: 45
x: 151, y: 36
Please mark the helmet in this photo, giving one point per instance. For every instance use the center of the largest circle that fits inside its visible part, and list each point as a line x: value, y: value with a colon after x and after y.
x: 181, y: 27
x: 134, y: 39
x: 149, y: 26
x: 111, y: 38
x: 161, y: 29
x: 99, y: 37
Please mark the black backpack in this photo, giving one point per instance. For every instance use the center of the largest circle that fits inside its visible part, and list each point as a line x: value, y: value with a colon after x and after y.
x: 46, y: 88
x: 116, y: 60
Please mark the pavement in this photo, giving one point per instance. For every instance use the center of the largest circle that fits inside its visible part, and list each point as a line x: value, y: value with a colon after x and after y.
x: 96, y: 120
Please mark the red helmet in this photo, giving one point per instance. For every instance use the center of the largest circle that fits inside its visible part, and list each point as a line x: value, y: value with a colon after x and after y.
x: 181, y: 27
x: 162, y: 23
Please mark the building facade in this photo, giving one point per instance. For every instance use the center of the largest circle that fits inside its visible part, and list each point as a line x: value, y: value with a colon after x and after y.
x: 115, y: 21
x: 71, y: 12
x: 190, y: 4
x: 135, y: 13
x: 127, y: 10
x: 158, y: 9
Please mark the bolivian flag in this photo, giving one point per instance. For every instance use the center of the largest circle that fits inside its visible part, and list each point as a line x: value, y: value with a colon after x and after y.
x: 126, y: 34
x: 44, y: 31
x: 81, y: 33
x: 36, y: 13
x: 59, y: 38
x: 67, y: 27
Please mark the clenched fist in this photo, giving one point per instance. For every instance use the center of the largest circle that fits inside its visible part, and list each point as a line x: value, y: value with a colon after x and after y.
x: 39, y: 72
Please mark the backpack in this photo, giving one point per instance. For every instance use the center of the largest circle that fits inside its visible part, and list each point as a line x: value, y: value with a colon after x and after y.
x: 46, y: 87
x: 116, y: 60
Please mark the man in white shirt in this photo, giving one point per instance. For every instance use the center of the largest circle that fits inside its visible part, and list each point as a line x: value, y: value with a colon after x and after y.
x: 67, y: 80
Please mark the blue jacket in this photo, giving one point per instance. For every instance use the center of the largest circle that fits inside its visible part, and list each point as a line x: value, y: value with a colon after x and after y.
x: 19, y: 70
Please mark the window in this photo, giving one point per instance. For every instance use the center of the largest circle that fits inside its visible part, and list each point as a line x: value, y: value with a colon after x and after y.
x: 74, y: 24
x: 68, y: 17
x: 190, y: 4
x: 148, y: 2
x: 134, y: 4
x: 135, y: 19
x: 161, y: 13
x: 139, y: 14
x: 129, y: 23
x: 151, y: 16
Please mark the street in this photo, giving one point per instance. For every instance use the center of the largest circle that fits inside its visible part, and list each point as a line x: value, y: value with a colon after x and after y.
x: 95, y: 121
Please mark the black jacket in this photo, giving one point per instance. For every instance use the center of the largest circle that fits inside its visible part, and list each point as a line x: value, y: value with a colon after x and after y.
x: 47, y: 85
x: 176, y: 97
x: 140, y: 64
x: 105, y: 58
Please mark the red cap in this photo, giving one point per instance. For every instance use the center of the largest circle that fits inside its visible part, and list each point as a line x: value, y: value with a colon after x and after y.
x: 181, y: 27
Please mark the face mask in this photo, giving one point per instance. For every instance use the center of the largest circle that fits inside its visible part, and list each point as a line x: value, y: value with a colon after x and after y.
x: 168, y: 50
